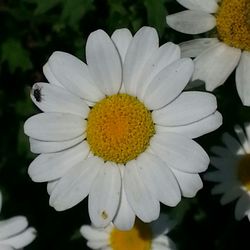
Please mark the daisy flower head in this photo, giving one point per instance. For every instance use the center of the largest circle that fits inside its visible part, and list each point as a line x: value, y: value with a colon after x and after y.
x: 143, y: 236
x: 227, y: 48
x: 14, y: 232
x: 232, y: 163
x: 119, y: 129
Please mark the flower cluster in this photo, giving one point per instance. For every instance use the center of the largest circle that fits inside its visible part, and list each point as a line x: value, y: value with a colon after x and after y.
x: 120, y: 128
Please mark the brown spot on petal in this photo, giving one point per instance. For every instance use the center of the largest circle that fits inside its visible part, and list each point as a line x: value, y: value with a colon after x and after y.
x: 104, y: 215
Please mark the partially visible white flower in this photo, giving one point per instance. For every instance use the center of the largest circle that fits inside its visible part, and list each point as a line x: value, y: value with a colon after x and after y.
x: 14, y: 232
x: 226, y: 49
x: 142, y: 236
x: 233, y: 171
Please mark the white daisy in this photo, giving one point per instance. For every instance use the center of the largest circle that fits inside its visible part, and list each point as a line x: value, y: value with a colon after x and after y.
x: 14, y: 232
x: 227, y: 49
x: 141, y: 237
x: 119, y: 129
x: 233, y: 171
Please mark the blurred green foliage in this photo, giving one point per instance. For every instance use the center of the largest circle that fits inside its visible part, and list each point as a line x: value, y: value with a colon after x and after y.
x: 30, y: 31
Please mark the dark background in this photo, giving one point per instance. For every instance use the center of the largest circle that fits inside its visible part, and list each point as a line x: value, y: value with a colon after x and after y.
x: 30, y: 30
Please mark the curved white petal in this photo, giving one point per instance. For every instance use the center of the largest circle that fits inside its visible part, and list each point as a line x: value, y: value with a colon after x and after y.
x: 94, y: 234
x: 159, y: 179
x: 161, y: 58
x: 242, y: 205
x: 38, y: 147
x: 245, y: 143
x: 188, y: 107
x: 12, y: 226
x: 145, y: 206
x: 50, y: 76
x: 231, y: 194
x: 196, y: 129
x: 194, y: 47
x: 54, y: 126
x: 125, y: 217
x: 51, y: 98
x: 75, y: 185
x: 243, y: 78
x: 6, y: 247
x: 104, y: 62
x: 142, y: 46
x: 190, y: 184
x: 104, y: 195
x: 191, y: 21
x: 48, y: 167
x: 122, y: 39
x: 168, y: 84
x: 209, y: 6
x: 51, y: 185
x: 74, y: 75
x: 180, y: 152
x: 215, y: 65
x: 100, y: 244
x: 21, y: 240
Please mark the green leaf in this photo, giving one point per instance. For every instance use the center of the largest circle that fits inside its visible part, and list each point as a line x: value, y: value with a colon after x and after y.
x: 15, y: 55
x: 44, y: 6
x: 156, y: 13
x: 74, y: 10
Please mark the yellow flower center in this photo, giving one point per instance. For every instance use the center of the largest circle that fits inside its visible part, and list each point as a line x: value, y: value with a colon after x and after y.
x: 244, y: 171
x: 138, y: 238
x: 233, y: 23
x: 119, y: 128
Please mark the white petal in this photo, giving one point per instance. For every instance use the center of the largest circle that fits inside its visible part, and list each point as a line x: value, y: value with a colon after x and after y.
x: 100, y: 244
x: 104, y: 195
x: 74, y: 75
x: 232, y: 144
x: 50, y: 76
x: 48, y: 167
x: 122, y: 39
x: 242, y: 138
x: 163, y: 243
x: 125, y: 217
x: 188, y: 107
x: 21, y: 240
x: 247, y: 129
x: 75, y: 185
x: 12, y: 226
x: 51, y: 185
x: 168, y: 84
x: 191, y: 21
x: 145, y: 206
x: 193, y: 48
x: 242, y: 205
x: 142, y: 46
x: 161, y: 58
x: 54, y: 126
x: 180, y: 152
x: 5, y: 247
x: 190, y: 184
x: 51, y: 98
x: 230, y: 195
x: 38, y: 147
x: 104, y: 62
x: 243, y: 78
x: 215, y: 65
x: 159, y: 179
x: 195, y: 129
x: 209, y: 6
x: 94, y: 234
